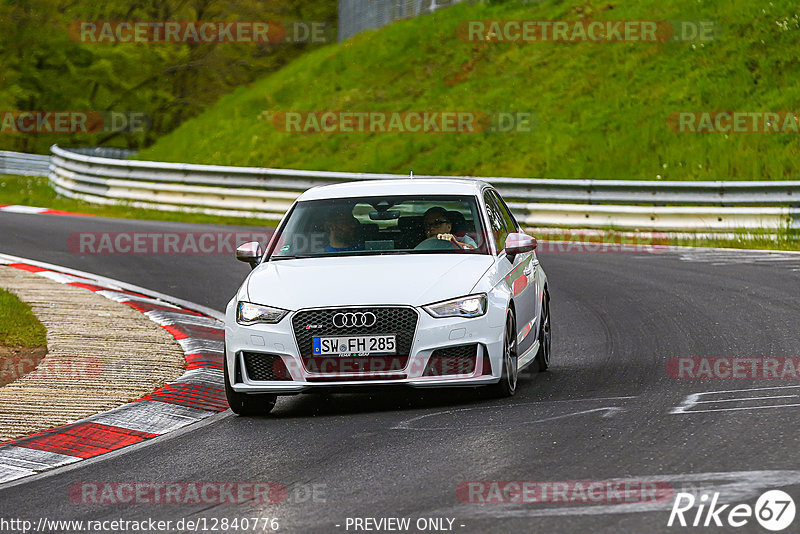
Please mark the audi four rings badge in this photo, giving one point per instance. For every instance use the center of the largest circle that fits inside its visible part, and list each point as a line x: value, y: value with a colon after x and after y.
x: 354, y: 319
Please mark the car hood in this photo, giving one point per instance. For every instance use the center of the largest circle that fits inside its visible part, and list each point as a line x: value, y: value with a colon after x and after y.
x: 413, y: 279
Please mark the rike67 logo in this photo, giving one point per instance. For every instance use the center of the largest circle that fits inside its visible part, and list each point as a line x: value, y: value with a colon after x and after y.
x: 774, y: 510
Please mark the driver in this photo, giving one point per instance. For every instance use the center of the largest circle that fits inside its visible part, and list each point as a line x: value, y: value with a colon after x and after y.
x: 343, y: 232
x: 438, y: 224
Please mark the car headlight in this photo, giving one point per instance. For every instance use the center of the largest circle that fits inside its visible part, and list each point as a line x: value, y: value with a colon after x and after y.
x: 249, y: 314
x: 469, y: 306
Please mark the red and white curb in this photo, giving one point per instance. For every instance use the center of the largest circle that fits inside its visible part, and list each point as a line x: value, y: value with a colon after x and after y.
x: 14, y: 208
x: 195, y: 395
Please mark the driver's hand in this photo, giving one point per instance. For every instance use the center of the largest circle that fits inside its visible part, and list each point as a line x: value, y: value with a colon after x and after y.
x: 446, y: 237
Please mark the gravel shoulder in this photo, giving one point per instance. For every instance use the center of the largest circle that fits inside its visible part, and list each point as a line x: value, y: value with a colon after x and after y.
x: 100, y: 354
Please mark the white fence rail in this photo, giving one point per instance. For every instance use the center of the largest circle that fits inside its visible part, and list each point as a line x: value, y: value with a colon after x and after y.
x: 23, y: 164
x: 267, y: 193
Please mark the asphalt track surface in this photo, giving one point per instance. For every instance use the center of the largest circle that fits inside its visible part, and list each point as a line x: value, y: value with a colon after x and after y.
x: 603, y: 411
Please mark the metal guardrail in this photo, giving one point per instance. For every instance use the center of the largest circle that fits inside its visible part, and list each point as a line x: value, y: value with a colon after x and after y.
x: 267, y: 193
x: 104, y: 152
x: 23, y: 164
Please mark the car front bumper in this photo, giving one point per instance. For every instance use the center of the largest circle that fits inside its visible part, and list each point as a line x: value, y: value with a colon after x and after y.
x: 419, y: 369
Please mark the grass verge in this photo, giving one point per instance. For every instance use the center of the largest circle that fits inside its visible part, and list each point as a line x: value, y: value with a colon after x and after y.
x: 753, y: 241
x: 19, y: 327
x: 785, y: 239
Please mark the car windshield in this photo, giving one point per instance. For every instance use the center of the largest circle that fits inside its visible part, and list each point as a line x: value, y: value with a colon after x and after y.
x: 368, y: 226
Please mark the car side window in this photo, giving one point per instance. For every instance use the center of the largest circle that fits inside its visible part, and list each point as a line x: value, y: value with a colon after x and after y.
x: 496, y: 223
x: 508, y: 217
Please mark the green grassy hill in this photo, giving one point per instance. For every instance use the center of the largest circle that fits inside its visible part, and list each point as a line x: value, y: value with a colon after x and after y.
x: 600, y: 109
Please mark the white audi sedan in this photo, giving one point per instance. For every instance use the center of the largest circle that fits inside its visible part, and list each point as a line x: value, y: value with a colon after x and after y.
x: 414, y: 282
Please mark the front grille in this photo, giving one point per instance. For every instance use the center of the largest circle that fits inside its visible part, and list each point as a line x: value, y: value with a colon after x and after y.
x: 265, y: 367
x: 452, y: 361
x: 402, y: 322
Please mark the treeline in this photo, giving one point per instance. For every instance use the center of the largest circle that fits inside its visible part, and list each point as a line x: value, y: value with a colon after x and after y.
x: 128, y: 93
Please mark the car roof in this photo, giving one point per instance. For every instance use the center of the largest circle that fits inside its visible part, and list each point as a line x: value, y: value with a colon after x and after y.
x: 405, y: 186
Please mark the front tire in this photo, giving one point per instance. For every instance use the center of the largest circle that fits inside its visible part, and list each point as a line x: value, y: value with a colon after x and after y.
x: 508, y: 378
x: 246, y: 404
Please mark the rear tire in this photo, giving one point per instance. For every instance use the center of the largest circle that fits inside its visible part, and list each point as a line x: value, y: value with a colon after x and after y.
x: 244, y: 403
x: 543, y: 356
x: 508, y: 377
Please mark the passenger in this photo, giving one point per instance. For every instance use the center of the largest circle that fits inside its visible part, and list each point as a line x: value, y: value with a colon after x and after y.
x: 438, y: 224
x: 343, y: 232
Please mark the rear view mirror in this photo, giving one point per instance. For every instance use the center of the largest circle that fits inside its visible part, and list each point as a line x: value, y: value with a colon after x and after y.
x: 389, y: 215
x: 520, y: 243
x: 250, y: 253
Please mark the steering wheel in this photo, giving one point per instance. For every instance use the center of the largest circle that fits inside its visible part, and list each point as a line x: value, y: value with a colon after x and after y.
x: 434, y: 243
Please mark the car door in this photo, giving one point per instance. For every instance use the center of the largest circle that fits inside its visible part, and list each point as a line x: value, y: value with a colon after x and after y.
x: 531, y: 298
x: 520, y: 272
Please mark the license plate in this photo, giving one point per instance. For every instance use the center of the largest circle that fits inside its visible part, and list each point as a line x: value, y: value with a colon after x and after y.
x: 363, y: 345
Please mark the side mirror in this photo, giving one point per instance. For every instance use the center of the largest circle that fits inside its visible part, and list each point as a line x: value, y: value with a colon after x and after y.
x: 520, y: 243
x: 250, y: 253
